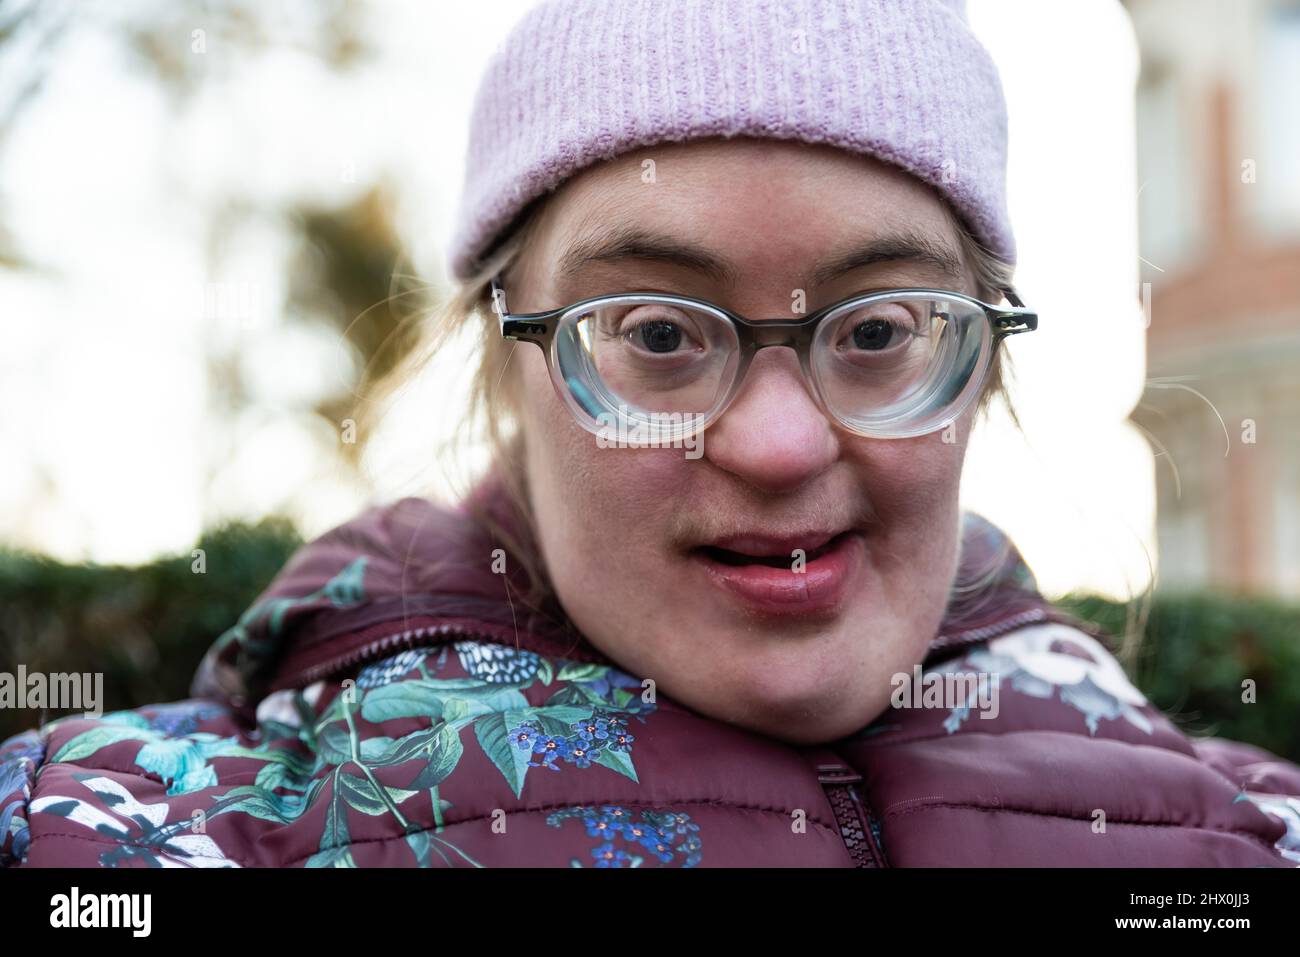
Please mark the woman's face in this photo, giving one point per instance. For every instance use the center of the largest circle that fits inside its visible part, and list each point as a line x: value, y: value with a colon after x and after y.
x: 664, y: 560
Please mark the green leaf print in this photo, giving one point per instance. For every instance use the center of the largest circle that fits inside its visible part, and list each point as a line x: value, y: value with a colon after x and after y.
x: 581, y: 671
x: 362, y: 795
x: 336, y: 816
x: 332, y: 857
x: 263, y: 804
x: 493, y: 732
x: 403, y: 699
x: 87, y: 743
x: 421, y: 847
x: 335, y: 744
x: 462, y: 710
x: 622, y: 697
x: 548, y: 721
x: 577, y: 696
x: 443, y: 747
x: 348, y: 586
x: 620, y: 761
x: 565, y: 714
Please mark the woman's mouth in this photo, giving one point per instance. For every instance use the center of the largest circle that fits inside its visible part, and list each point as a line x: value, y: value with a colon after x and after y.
x: 794, y: 575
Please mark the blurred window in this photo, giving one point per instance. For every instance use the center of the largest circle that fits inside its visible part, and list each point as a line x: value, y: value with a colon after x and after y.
x: 1276, y: 194
x: 1169, y: 207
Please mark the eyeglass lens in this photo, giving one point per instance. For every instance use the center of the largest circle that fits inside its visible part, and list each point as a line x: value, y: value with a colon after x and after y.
x: 878, y: 361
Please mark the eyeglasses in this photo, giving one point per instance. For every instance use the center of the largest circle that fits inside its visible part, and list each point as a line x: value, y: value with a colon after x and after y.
x: 891, y: 364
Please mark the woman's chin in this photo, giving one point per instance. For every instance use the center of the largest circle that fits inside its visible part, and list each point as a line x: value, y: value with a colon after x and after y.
x: 801, y: 698
x: 802, y: 725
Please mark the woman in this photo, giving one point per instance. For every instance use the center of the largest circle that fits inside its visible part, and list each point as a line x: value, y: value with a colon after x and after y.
x: 764, y: 633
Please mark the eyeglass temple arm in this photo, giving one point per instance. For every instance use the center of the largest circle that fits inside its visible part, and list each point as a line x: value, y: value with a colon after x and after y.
x: 499, y: 301
x: 1008, y: 322
x: 522, y: 328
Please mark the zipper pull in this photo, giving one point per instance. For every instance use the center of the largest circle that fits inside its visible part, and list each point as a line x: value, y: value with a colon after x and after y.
x: 830, y: 767
x: 842, y: 784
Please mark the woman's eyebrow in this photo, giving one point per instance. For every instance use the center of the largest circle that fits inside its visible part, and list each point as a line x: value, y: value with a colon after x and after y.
x: 902, y: 247
x: 636, y: 242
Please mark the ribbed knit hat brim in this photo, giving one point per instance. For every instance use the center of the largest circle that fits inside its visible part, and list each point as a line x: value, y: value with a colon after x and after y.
x: 580, y: 81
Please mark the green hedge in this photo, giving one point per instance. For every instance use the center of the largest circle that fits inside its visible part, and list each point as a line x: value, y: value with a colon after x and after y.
x: 147, y: 627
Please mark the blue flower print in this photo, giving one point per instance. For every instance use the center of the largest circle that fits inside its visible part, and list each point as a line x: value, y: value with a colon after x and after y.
x: 628, y: 840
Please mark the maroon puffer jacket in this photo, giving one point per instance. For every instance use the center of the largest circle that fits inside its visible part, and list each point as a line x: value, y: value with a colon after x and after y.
x: 386, y: 703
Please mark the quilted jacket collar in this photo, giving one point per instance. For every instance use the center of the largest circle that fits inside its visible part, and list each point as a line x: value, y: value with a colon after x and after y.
x: 413, y: 573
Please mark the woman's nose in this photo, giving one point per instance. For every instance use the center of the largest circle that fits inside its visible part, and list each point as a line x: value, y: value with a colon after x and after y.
x: 774, y: 435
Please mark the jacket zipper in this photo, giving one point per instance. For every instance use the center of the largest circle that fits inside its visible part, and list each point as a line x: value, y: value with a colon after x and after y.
x: 384, y: 646
x: 859, y: 829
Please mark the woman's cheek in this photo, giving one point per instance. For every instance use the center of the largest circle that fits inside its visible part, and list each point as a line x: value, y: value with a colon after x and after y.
x: 594, y: 504
x: 906, y: 480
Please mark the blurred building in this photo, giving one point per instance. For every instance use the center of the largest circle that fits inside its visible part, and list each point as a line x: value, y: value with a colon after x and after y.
x: 1218, y: 138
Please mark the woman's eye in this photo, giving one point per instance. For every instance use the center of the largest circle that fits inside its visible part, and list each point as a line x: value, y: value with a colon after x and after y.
x: 874, y: 334
x: 659, y: 331
x: 658, y: 335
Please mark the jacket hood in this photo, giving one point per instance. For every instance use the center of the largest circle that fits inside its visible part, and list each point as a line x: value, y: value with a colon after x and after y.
x: 413, y: 573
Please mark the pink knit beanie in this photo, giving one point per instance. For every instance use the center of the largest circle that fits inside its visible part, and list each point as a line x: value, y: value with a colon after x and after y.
x: 580, y: 81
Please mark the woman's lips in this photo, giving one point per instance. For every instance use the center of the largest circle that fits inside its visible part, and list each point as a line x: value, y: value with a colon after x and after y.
x: 761, y: 575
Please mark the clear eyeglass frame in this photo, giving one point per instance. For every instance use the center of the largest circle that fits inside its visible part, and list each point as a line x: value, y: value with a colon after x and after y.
x: 979, y: 331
